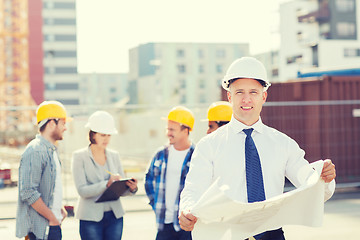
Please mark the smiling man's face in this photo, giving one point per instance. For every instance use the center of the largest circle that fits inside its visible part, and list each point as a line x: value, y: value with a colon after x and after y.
x: 247, y: 97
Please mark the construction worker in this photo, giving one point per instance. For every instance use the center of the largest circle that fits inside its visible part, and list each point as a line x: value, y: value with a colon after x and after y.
x: 40, y: 210
x: 219, y: 114
x: 94, y: 169
x: 165, y: 176
x: 245, y: 154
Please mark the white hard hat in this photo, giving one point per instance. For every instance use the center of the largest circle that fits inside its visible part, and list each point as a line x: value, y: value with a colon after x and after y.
x: 245, y: 67
x: 101, y: 122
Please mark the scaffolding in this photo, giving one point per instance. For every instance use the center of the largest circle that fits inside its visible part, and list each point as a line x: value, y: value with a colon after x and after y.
x: 14, y: 69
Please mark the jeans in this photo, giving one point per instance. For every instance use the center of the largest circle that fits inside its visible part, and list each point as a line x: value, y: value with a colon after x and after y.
x: 169, y: 233
x: 109, y: 228
x: 54, y: 234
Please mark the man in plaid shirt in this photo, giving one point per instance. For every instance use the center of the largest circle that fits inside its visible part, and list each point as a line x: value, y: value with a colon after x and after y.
x: 40, y: 211
x: 165, y: 177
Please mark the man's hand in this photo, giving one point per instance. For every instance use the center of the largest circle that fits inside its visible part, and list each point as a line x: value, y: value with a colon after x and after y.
x: 328, y: 172
x: 187, y: 221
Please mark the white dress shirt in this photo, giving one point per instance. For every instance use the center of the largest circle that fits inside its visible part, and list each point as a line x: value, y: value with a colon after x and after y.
x: 221, y: 154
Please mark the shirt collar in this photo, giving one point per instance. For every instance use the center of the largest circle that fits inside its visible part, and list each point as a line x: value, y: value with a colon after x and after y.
x: 239, y: 126
x: 46, y: 142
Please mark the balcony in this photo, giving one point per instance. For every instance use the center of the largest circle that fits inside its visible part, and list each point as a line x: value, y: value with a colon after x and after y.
x: 321, y: 15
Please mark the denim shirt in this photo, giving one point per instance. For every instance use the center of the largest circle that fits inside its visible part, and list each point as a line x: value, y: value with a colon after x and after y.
x: 37, y: 174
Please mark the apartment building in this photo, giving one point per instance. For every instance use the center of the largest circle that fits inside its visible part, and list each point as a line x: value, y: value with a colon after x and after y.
x: 103, y: 88
x: 318, y: 34
x: 59, y: 51
x: 180, y: 73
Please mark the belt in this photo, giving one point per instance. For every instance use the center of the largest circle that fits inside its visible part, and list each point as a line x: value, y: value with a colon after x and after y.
x: 276, y: 234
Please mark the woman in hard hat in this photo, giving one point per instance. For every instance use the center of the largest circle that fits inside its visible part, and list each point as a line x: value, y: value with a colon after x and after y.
x: 219, y: 114
x: 95, y: 168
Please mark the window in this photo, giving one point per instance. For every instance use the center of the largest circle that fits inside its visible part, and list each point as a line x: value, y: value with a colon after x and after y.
x: 60, y: 54
x: 201, y: 68
x: 113, y: 100
x: 65, y: 38
x: 69, y: 101
x: 65, y: 21
x: 293, y: 59
x: 201, y: 53
x: 59, y: 21
x: 345, y: 5
x: 300, y: 36
x: 182, y: 83
x: 64, y: 5
x: 180, y: 53
x: 352, y: 52
x: 219, y: 68
x: 275, y: 72
x: 67, y: 86
x: 66, y: 70
x: 202, y: 83
x: 220, y: 53
x: 183, y: 99
x: 202, y: 98
x: 345, y: 29
x: 181, y: 68
x: 50, y: 86
x: 48, y: 5
x: 49, y: 37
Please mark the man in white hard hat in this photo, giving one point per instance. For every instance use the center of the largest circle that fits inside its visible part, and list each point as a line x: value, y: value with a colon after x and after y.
x: 259, y: 156
x: 165, y: 176
x: 40, y: 211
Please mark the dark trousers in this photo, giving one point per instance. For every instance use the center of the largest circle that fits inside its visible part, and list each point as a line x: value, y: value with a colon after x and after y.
x: 54, y: 234
x: 169, y: 233
x: 277, y: 234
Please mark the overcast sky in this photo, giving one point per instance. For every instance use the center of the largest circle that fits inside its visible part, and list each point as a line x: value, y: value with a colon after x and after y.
x: 107, y: 29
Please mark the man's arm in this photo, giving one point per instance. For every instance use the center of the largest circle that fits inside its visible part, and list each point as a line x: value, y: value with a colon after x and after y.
x: 44, y: 211
x: 198, y: 180
x: 149, y: 182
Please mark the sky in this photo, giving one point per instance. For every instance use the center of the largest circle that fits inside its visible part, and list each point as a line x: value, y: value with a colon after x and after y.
x: 107, y: 29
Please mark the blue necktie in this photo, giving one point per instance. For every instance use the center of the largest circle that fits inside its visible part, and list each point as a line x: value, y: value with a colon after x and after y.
x: 254, y: 179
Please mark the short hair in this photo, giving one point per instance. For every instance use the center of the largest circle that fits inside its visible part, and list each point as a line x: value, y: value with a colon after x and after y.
x: 262, y: 82
x: 221, y: 123
x: 182, y: 127
x: 42, y: 128
x: 91, y: 137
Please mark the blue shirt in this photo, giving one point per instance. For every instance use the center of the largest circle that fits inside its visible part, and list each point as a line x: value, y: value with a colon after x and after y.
x: 37, y: 174
x: 155, y: 178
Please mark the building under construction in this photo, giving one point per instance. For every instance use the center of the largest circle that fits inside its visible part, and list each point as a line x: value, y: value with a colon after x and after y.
x: 16, y: 102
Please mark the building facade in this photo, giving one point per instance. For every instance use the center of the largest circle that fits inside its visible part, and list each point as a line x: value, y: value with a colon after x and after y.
x: 180, y: 73
x: 60, y: 51
x: 103, y: 88
x: 318, y: 34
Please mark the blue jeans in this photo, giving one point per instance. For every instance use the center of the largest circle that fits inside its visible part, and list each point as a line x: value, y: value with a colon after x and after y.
x: 169, y: 233
x: 108, y: 228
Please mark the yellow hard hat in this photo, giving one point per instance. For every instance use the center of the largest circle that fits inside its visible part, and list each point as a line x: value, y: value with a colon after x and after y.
x: 182, y: 115
x: 50, y: 110
x: 220, y: 111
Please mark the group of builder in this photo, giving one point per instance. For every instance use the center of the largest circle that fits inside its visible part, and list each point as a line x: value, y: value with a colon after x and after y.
x: 250, y: 157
